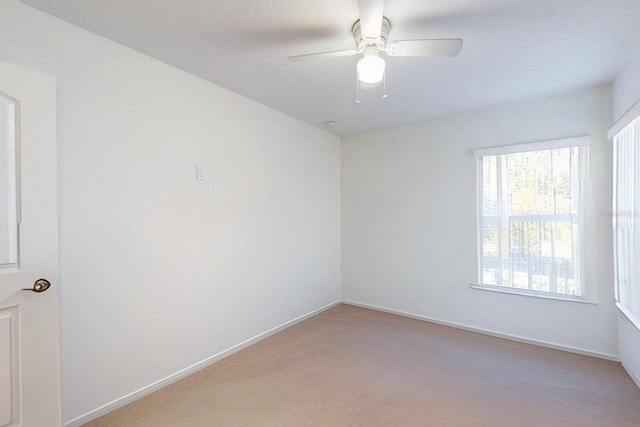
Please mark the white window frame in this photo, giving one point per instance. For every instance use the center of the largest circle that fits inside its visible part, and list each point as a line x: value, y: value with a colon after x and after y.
x: 626, y: 214
x: 580, y: 141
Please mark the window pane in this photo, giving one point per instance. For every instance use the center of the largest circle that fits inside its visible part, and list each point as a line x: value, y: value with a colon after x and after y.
x: 626, y: 217
x: 529, y: 220
x: 489, y: 186
x: 490, y: 254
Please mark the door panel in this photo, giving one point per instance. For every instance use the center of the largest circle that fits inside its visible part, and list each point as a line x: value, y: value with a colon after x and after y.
x: 8, y: 181
x: 9, y: 367
x: 29, y: 321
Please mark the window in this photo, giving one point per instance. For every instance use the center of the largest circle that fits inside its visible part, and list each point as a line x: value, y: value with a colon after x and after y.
x: 530, y: 217
x: 625, y: 219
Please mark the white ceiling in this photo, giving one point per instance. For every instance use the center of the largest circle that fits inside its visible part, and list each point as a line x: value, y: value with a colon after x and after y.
x: 513, y: 50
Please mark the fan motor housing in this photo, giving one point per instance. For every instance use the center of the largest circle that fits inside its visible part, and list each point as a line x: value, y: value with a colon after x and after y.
x: 368, y: 44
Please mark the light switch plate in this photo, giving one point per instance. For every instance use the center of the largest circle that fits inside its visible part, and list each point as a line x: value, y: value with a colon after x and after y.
x: 200, y: 172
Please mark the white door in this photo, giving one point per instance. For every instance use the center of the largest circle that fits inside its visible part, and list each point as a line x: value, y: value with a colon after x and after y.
x: 29, y: 324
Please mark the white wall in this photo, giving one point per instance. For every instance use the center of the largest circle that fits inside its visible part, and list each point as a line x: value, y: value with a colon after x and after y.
x: 409, y: 221
x: 626, y: 92
x: 160, y: 271
x: 629, y: 339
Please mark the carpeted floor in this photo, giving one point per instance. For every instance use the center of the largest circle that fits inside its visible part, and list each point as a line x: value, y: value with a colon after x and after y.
x: 350, y: 366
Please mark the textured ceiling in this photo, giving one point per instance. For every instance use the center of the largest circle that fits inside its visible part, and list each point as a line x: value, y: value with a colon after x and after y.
x: 513, y: 50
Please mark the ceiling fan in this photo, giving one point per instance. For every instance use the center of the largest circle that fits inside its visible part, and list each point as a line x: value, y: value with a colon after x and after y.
x: 371, y: 33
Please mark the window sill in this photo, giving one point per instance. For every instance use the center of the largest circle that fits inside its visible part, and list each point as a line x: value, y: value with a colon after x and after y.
x: 626, y: 313
x: 531, y: 293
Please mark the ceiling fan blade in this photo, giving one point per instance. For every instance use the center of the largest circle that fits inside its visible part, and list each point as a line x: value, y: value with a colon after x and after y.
x: 433, y: 48
x: 321, y: 55
x: 371, y: 17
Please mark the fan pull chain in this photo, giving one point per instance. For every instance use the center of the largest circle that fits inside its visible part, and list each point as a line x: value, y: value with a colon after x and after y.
x: 384, y: 86
x: 357, y: 89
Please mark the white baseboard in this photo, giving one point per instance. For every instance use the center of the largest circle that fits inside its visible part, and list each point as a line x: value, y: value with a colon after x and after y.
x: 124, y: 400
x: 488, y: 332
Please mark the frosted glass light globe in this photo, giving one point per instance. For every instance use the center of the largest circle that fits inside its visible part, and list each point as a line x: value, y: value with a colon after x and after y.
x: 371, y: 68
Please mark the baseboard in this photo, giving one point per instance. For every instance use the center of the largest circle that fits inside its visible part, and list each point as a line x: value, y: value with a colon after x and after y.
x: 124, y: 400
x: 488, y: 332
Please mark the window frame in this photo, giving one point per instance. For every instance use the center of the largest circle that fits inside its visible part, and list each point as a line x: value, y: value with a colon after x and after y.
x: 579, y: 141
x: 630, y: 119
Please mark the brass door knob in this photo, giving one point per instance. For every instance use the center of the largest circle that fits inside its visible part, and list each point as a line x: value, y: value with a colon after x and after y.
x: 39, y: 285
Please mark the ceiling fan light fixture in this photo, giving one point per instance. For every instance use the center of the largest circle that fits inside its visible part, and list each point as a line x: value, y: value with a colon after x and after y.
x: 371, y: 68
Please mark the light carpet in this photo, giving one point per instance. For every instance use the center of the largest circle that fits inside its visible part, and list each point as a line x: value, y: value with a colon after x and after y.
x: 350, y: 366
